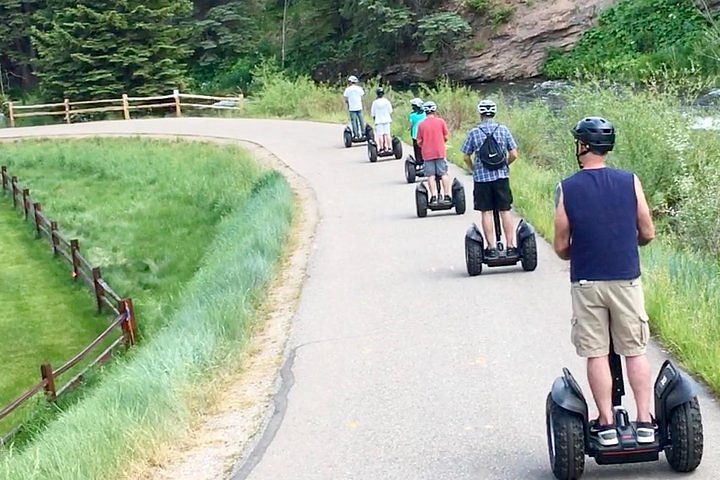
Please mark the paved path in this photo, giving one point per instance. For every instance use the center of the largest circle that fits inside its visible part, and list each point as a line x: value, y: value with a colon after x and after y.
x: 404, y: 367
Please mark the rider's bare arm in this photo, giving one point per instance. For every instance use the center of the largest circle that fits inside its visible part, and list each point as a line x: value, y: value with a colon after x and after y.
x: 512, y: 155
x: 646, y: 228
x: 561, y: 242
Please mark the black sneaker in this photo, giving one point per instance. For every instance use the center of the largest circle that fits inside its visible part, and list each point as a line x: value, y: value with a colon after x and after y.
x: 511, y: 252
x: 447, y: 199
x: 605, y: 435
x: 433, y: 200
x: 645, y: 432
x: 491, y: 253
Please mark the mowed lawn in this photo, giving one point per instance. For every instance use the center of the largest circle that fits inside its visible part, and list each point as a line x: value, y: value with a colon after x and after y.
x: 44, y: 316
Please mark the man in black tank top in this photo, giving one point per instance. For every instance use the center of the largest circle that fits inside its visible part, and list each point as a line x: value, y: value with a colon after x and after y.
x: 601, y: 216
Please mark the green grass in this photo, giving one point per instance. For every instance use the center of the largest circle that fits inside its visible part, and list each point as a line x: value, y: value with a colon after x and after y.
x: 146, y: 398
x: 48, y: 317
x: 679, y: 168
x: 145, y: 211
x: 194, y: 234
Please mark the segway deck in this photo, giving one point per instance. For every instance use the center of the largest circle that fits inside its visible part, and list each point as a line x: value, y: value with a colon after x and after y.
x: 679, y: 431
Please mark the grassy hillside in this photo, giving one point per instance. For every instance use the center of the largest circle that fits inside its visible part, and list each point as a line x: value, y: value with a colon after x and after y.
x: 194, y: 233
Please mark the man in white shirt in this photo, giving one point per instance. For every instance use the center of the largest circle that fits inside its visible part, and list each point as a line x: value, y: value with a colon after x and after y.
x: 353, y: 99
x: 381, y: 111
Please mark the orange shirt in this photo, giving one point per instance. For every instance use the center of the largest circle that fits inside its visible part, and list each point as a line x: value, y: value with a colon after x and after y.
x: 431, y: 136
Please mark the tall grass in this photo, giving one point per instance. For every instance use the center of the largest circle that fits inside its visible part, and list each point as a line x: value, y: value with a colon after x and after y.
x: 147, y: 396
x: 146, y: 211
x: 679, y: 168
x: 143, y: 210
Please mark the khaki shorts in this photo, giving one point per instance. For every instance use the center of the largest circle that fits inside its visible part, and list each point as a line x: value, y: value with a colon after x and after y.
x: 604, y: 308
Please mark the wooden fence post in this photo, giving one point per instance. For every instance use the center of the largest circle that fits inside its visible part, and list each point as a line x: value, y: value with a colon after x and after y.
x: 3, y: 173
x: 37, y: 208
x: 53, y: 236
x: 26, y: 202
x: 126, y: 107
x: 67, y: 110
x: 47, y: 374
x: 11, y: 114
x: 13, y: 184
x: 128, y: 325
x: 98, y: 289
x: 176, y: 95
x: 74, y: 247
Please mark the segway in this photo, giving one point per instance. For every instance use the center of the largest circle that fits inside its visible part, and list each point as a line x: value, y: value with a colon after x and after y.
x: 413, y: 169
x: 475, y: 249
x: 348, y: 138
x: 679, y: 430
x: 374, y: 153
x: 422, y: 204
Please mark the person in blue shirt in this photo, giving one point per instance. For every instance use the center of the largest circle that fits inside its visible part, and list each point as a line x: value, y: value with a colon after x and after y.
x: 416, y: 116
x: 601, y: 216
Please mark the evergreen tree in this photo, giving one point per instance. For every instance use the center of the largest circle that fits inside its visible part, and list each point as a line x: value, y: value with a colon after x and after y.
x: 102, y: 48
x: 16, y: 52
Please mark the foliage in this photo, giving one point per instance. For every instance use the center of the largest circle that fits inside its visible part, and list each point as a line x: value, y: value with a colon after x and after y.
x: 79, y: 55
x: 440, y: 31
x: 478, y: 6
x: 635, y: 38
x: 501, y: 15
x: 16, y: 51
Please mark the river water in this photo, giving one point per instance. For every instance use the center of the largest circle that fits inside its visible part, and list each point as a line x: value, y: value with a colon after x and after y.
x: 704, y: 110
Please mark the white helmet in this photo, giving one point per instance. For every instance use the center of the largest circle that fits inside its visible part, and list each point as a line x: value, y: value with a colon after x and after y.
x: 429, y: 106
x: 352, y: 79
x: 487, y: 108
x: 416, y: 102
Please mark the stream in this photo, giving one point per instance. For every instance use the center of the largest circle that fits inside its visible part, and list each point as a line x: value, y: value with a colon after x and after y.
x: 704, y: 111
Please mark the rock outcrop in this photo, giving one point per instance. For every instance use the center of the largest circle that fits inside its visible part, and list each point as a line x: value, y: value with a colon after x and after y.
x: 514, y: 50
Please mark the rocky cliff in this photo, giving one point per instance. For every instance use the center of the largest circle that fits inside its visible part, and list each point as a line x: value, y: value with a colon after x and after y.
x: 513, y: 50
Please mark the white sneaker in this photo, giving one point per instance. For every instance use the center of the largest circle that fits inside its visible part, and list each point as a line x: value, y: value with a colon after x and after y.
x: 645, y: 432
x: 606, y: 435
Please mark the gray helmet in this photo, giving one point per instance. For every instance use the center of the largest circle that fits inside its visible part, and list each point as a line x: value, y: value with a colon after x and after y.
x: 352, y: 79
x: 487, y: 108
x: 416, y: 102
x: 595, y: 132
x: 429, y: 106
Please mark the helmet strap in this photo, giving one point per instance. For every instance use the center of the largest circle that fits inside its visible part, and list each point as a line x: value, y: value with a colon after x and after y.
x: 579, y: 152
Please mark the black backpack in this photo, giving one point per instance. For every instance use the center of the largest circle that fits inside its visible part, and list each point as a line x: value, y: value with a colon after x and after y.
x: 492, y: 156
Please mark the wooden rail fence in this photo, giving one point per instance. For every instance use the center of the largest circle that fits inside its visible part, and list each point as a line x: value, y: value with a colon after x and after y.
x: 105, y: 299
x: 176, y: 101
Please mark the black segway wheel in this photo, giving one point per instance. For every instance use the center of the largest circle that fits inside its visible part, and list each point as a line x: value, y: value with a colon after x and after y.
x: 458, y: 198
x: 686, y: 437
x: 473, y: 256
x: 421, y: 203
x: 397, y: 148
x: 528, y: 254
x: 347, y: 139
x: 372, y: 152
x: 566, y: 441
x: 409, y: 171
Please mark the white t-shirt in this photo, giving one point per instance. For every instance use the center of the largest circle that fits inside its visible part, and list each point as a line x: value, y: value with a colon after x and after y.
x: 381, y: 110
x: 354, y: 94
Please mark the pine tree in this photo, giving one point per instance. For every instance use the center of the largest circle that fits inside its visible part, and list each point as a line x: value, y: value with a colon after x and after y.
x: 91, y: 49
x: 16, y: 52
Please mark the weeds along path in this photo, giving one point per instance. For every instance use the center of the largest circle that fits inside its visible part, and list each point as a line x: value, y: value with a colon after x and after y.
x: 400, y: 366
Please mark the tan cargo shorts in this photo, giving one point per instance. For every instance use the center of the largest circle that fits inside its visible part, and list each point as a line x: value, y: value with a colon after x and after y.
x: 604, y: 308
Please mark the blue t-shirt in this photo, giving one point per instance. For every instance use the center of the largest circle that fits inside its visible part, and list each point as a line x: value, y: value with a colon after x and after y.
x: 415, y: 119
